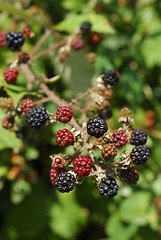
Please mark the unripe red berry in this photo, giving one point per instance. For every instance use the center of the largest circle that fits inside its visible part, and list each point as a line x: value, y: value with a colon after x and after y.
x: 26, y: 32
x: 23, y: 57
x: 77, y: 43
x: 119, y: 138
x: 64, y: 114
x: 27, y: 104
x: 82, y: 166
x: 10, y: 75
x: 94, y: 38
x: 3, y: 42
x: 53, y: 176
x: 8, y: 122
x: 64, y: 138
x: 109, y: 151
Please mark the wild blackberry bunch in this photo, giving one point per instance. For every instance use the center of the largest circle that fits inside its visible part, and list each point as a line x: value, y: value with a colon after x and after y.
x: 77, y: 43
x: 64, y: 138
x: 53, y: 176
x: 23, y: 57
x: 96, y: 127
x: 64, y: 114
x: 15, y: 40
x: 110, y: 77
x: 109, y: 151
x: 3, y: 39
x: 108, y: 187
x: 8, y: 122
x: 27, y: 104
x: 130, y: 176
x: 119, y: 138
x: 37, y: 117
x: 82, y: 166
x: 138, y: 137
x: 85, y: 27
x: 106, y: 114
x: 140, y: 154
x: 65, y: 182
x: 10, y: 75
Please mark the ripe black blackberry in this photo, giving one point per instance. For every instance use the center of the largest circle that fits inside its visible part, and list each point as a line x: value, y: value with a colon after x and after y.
x: 37, y: 117
x: 65, y: 182
x: 96, y: 127
x: 138, y: 137
x: 140, y: 154
x: 15, y: 40
x: 86, y: 27
x: 108, y: 187
x: 110, y: 77
x: 130, y: 176
x: 106, y: 114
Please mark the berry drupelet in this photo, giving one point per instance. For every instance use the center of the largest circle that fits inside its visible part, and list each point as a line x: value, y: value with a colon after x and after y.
x: 3, y: 42
x: 96, y: 127
x: 138, y: 137
x: 27, y: 104
x: 37, y: 117
x: 110, y: 77
x: 109, y: 151
x: 130, y: 176
x: 64, y: 138
x: 85, y: 27
x: 119, y: 138
x: 64, y: 114
x: 65, y: 182
x: 10, y: 75
x: 82, y: 166
x: 77, y: 43
x: 15, y: 40
x: 140, y: 154
x: 108, y: 187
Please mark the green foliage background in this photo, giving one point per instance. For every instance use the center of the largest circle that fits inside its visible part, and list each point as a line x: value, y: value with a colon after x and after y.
x: 131, y: 45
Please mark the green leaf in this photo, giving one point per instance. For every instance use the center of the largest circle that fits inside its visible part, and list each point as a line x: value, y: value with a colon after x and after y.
x: 99, y: 23
x: 67, y: 218
x: 20, y: 189
x: 8, y: 139
x: 135, y: 209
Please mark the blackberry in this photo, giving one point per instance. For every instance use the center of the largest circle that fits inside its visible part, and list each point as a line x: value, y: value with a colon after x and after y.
x: 64, y: 114
x: 106, y: 114
x: 65, y: 182
x: 23, y: 57
x: 37, y: 117
x: 82, y: 166
x: 77, y: 43
x: 96, y: 127
x: 138, y: 137
x: 7, y: 122
x: 53, y: 176
x: 140, y: 154
x: 15, y: 40
x: 108, y: 187
x: 64, y: 138
x: 130, y: 176
x: 94, y: 39
x: 119, y: 138
x: 110, y: 77
x: 27, y: 104
x: 109, y: 151
x: 26, y: 32
x: 86, y: 27
x: 3, y: 39
x: 6, y: 103
x: 10, y: 75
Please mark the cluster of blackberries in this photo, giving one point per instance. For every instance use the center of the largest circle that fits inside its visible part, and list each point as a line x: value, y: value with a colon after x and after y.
x: 97, y: 127
x: 108, y: 187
